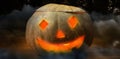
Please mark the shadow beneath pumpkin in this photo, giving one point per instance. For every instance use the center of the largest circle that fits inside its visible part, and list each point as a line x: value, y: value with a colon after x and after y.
x: 74, y: 54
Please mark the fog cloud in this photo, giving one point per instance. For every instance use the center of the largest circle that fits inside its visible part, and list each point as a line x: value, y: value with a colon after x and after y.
x: 107, y: 32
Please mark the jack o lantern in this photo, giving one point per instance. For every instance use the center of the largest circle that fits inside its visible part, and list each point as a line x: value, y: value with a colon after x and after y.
x: 59, y: 28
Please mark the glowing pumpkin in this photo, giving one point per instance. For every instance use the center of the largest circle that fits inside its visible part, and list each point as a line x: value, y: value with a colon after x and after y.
x: 59, y: 28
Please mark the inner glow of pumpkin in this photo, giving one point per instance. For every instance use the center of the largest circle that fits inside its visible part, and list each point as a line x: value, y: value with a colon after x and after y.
x: 60, y: 47
x: 72, y: 21
x: 60, y: 34
x: 43, y: 24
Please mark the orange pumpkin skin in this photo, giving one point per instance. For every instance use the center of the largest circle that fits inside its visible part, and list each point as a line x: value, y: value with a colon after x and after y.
x: 59, y: 28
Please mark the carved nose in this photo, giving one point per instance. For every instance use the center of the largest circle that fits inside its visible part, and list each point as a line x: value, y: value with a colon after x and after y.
x: 60, y: 34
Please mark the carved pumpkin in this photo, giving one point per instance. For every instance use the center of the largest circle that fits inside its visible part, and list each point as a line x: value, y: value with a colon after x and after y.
x: 59, y: 28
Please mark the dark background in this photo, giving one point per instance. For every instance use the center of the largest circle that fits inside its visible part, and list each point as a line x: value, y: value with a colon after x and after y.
x: 14, y: 15
x: 105, y: 6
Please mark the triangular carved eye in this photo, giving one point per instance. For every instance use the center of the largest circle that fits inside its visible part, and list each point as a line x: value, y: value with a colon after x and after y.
x: 72, y: 22
x: 43, y: 24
